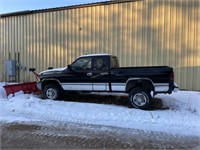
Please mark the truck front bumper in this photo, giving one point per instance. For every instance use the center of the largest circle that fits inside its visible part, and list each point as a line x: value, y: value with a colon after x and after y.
x: 39, y: 85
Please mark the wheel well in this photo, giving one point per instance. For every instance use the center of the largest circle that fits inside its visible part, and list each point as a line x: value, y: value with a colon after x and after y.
x: 46, y: 82
x: 146, y: 84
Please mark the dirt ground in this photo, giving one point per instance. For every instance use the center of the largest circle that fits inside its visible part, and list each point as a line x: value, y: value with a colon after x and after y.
x: 81, y: 136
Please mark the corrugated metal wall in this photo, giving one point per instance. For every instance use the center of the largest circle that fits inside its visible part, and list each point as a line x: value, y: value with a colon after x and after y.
x: 141, y: 33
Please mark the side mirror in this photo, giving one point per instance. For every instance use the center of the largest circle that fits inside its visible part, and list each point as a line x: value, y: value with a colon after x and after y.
x: 69, y: 67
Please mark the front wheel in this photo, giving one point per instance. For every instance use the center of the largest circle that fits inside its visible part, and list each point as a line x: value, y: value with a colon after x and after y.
x: 52, y: 91
x: 140, y: 98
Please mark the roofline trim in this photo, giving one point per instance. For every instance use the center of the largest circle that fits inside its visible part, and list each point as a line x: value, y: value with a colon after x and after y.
x: 27, y: 12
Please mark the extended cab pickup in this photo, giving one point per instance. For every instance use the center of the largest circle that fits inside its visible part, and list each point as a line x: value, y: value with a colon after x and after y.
x: 101, y: 73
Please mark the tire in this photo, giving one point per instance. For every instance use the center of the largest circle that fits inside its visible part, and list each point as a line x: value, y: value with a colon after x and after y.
x: 52, y: 91
x: 140, y: 98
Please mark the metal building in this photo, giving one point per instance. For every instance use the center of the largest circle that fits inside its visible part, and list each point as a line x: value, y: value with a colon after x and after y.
x: 139, y: 32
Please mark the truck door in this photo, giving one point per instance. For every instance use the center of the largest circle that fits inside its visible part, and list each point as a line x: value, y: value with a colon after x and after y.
x: 100, y: 73
x: 79, y: 78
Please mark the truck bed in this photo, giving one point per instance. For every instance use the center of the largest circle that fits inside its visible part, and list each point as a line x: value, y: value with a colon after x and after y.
x: 158, y: 74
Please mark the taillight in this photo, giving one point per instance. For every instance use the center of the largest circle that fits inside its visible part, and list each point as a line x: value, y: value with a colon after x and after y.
x: 171, y: 77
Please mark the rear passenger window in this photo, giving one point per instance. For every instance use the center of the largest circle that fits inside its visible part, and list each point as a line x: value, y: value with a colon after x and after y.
x: 114, y: 62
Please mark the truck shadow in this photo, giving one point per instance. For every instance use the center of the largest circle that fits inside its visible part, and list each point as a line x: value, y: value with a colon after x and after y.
x: 119, y: 100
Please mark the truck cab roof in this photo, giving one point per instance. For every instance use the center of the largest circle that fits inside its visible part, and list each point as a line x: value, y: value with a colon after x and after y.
x: 93, y: 55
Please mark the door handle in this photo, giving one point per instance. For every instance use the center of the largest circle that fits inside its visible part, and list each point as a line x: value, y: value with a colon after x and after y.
x: 89, y: 74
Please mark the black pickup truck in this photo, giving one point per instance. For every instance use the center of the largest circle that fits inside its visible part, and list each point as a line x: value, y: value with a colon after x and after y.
x: 101, y: 73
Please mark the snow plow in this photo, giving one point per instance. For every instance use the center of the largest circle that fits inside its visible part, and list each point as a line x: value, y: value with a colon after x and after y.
x: 27, y: 87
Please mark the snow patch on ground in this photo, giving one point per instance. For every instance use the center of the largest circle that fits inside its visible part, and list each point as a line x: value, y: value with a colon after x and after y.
x: 181, y: 117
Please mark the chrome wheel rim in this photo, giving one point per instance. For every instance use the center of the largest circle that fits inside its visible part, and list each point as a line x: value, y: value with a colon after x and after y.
x: 51, y: 93
x: 139, y: 99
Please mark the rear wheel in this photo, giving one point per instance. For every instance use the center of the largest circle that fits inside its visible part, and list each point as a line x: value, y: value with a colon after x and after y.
x: 52, y: 91
x: 140, y: 98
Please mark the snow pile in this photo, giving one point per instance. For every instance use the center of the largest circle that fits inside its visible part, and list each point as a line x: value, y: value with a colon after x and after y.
x: 181, y: 117
x: 2, y: 91
x: 183, y: 100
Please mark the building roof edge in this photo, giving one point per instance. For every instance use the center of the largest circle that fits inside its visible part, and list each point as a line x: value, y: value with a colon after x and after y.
x: 26, y: 12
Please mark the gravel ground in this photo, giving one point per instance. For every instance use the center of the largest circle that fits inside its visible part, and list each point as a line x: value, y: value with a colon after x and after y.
x: 81, y: 136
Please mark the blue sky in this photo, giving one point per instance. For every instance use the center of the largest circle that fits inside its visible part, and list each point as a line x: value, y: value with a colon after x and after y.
x: 7, y: 6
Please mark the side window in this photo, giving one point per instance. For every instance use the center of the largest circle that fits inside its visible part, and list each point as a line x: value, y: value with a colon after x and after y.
x: 114, y: 62
x: 100, y: 63
x: 82, y: 64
